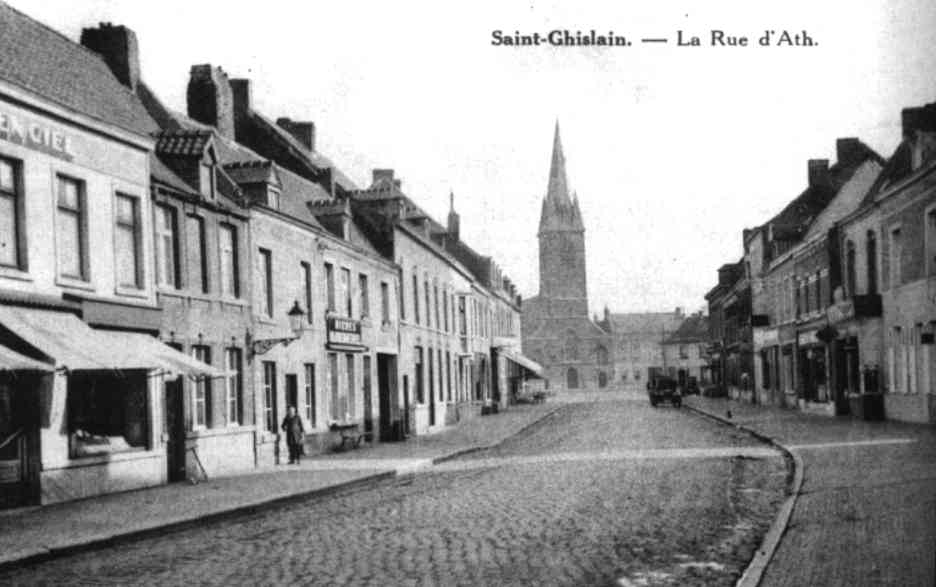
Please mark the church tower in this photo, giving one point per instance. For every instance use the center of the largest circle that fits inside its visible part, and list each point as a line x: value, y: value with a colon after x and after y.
x: 562, y: 243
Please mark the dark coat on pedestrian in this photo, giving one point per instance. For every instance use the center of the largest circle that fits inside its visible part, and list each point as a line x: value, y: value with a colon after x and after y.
x: 292, y: 425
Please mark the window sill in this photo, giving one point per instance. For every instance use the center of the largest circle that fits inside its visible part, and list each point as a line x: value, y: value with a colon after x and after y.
x: 15, y: 273
x: 230, y: 430
x: 89, y: 461
x: 72, y: 283
x: 130, y: 292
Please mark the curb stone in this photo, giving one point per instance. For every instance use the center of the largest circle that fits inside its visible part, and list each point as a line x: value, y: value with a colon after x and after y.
x: 106, y: 540
x: 755, y: 570
x: 479, y: 448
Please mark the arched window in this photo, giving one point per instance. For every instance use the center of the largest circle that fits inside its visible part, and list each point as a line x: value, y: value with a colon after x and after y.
x: 572, y: 380
x: 850, y: 281
x: 871, y: 255
x: 602, y: 379
x: 601, y: 354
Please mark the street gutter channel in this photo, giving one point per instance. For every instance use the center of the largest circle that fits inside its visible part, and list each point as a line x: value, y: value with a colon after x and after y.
x: 754, y: 572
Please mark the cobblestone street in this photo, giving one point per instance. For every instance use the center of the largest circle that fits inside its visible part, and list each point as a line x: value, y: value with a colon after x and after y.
x: 594, y: 494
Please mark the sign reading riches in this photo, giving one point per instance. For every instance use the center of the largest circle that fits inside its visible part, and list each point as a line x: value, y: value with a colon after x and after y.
x: 35, y: 135
x: 344, y: 331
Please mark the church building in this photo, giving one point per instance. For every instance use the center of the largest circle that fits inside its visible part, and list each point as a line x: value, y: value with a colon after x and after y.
x: 557, y: 330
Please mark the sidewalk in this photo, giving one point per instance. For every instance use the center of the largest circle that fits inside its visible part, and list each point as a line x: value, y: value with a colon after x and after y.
x: 865, y: 513
x: 44, y: 532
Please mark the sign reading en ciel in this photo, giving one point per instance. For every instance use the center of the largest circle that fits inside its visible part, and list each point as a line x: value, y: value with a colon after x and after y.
x: 35, y: 135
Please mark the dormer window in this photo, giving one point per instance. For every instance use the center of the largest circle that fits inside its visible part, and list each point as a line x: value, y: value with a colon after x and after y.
x: 273, y: 198
x: 206, y: 180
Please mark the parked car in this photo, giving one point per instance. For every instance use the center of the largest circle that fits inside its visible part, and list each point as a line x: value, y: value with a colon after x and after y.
x: 664, y: 389
x: 692, y: 386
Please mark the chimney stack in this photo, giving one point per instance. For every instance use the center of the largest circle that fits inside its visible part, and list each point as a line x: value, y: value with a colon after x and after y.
x: 380, y: 175
x: 302, y: 131
x: 117, y: 45
x: 210, y: 100
x: 849, y: 151
x: 242, y: 94
x: 818, y: 173
x: 919, y: 118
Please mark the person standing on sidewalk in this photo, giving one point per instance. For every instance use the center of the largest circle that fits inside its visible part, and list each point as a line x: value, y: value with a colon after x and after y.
x: 292, y: 426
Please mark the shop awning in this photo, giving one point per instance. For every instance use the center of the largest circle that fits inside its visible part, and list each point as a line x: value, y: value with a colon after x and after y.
x: 13, y: 361
x: 173, y: 361
x: 71, y: 344
x: 527, y: 363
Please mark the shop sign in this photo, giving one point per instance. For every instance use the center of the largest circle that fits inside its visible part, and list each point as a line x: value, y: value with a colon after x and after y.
x: 35, y: 135
x: 807, y: 338
x: 765, y: 338
x: 841, y: 311
x: 344, y: 331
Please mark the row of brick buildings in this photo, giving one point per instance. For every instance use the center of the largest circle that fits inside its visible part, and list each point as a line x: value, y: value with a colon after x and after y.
x: 170, y: 283
x: 832, y: 307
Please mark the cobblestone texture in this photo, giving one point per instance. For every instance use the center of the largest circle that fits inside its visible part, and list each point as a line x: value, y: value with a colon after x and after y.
x: 576, y: 522
x: 867, y: 512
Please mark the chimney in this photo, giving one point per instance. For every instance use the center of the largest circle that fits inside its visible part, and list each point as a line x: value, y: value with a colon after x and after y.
x: 328, y: 180
x: 380, y: 175
x: 919, y: 118
x: 118, y: 46
x: 302, y: 131
x: 454, y: 221
x: 210, y: 100
x: 242, y: 94
x: 849, y: 151
x: 819, y: 173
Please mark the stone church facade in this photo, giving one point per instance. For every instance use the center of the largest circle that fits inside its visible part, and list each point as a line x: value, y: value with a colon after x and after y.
x: 575, y: 351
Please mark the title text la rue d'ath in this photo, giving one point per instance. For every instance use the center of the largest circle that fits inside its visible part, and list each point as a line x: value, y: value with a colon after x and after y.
x: 593, y: 38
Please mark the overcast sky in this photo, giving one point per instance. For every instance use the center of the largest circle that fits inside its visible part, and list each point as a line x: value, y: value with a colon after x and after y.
x: 672, y: 150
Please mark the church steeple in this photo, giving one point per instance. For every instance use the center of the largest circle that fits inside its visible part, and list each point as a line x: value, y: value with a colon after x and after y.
x: 562, y: 241
x: 559, y: 212
x: 454, y: 221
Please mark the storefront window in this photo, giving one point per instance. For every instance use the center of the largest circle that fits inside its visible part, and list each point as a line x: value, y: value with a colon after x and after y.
x: 107, y: 412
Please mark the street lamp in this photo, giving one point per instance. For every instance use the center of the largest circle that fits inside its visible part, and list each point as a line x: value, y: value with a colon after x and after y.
x: 262, y: 346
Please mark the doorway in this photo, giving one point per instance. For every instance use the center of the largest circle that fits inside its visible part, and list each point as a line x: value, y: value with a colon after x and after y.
x: 292, y: 390
x: 386, y: 376
x: 175, y: 430
x: 368, y: 400
x: 19, y: 431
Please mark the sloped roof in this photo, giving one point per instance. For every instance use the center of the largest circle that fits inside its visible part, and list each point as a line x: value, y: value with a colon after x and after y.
x: 257, y: 171
x: 693, y: 329
x: 160, y: 173
x: 183, y: 142
x: 45, y: 62
x: 810, y: 202
x: 651, y: 323
x: 303, y: 156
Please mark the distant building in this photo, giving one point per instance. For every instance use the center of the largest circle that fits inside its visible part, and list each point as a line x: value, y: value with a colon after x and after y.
x: 638, y: 339
x: 557, y: 331
x: 684, y: 351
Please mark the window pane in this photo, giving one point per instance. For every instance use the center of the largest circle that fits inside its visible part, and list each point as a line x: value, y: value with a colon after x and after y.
x: 127, y: 253
x: 8, y: 245
x: 68, y: 194
x: 7, y: 178
x: 229, y: 269
x: 69, y: 243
